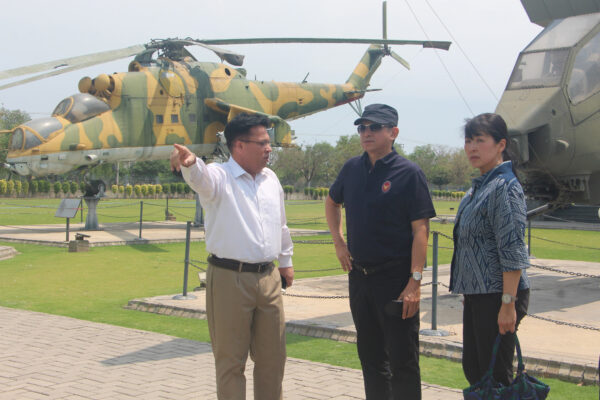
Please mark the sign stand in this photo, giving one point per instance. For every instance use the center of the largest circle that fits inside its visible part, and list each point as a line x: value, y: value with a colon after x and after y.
x: 68, y: 209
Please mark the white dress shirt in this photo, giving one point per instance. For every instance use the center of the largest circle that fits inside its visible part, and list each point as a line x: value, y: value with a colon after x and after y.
x: 245, y: 216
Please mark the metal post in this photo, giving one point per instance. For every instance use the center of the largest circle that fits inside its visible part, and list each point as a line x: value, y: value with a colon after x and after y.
x: 141, y: 216
x: 184, y: 295
x: 67, y: 239
x: 167, y: 209
x: 186, y: 261
x: 529, y: 238
x: 434, y: 283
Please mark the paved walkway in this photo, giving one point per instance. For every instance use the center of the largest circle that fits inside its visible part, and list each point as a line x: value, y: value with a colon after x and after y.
x: 52, y: 357
x: 111, y: 234
x: 561, y: 337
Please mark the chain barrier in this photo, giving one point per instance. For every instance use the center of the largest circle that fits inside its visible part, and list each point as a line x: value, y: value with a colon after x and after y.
x: 443, y: 235
x: 302, y: 202
x: 21, y: 206
x: 195, y: 266
x: 313, y: 241
x: 177, y: 212
x: 566, y: 244
x: 571, y: 324
x: 560, y: 271
x: 316, y: 270
x: 117, y: 216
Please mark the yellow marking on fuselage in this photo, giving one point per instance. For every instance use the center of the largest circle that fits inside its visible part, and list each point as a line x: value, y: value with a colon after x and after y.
x: 165, y: 105
x: 190, y: 82
x: 328, y: 95
x: 115, y: 99
x: 220, y: 80
x: 288, y: 93
x: 361, y: 70
x: 83, y: 137
x: 265, y: 103
x: 109, y: 128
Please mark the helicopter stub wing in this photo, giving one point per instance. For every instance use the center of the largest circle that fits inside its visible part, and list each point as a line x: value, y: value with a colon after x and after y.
x: 282, y: 132
x: 542, y: 12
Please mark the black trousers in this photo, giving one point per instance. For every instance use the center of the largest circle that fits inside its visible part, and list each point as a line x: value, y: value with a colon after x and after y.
x: 480, y: 329
x: 388, y: 346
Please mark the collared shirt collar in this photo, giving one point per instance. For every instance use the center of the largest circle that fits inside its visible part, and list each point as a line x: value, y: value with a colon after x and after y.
x: 502, y: 168
x: 384, y: 160
x: 237, y: 170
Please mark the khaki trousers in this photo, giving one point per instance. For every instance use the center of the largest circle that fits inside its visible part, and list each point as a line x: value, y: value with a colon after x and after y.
x: 245, y: 312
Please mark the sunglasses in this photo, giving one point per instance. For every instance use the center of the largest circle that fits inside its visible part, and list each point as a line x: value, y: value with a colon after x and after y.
x: 373, y: 127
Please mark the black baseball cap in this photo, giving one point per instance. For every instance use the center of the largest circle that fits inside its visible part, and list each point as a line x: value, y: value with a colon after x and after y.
x: 380, y: 114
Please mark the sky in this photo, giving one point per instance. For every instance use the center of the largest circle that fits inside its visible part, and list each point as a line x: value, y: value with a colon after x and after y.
x: 433, y: 98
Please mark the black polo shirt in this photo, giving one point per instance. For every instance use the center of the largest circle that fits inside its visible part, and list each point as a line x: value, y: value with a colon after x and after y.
x: 381, y: 202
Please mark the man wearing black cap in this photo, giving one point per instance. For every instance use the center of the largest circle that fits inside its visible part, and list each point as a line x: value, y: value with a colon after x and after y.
x: 388, y: 208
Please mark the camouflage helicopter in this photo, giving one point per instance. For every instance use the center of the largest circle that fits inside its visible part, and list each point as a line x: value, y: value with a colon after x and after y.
x: 552, y: 104
x: 173, y: 98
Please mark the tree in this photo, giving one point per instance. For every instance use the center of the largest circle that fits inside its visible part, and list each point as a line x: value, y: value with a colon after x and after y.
x: 460, y: 169
x: 346, y: 148
x: 318, y: 164
x: 286, y: 164
x: 150, y: 171
x: 425, y: 157
x: 8, y: 120
x: 314, y: 163
x: 440, y: 176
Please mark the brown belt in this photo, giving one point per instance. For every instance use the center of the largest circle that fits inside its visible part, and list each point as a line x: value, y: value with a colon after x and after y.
x: 239, y: 266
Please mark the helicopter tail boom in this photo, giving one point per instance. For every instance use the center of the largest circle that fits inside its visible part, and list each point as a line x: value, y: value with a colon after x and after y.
x: 361, y: 76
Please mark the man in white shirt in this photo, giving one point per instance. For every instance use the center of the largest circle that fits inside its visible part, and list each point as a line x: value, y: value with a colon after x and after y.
x: 246, y: 231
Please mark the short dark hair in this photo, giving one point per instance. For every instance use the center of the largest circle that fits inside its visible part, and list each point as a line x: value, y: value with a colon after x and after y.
x: 495, y: 126
x: 489, y: 124
x: 241, y: 124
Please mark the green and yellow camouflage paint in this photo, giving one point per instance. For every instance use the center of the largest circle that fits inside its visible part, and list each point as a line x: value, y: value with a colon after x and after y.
x: 139, y: 114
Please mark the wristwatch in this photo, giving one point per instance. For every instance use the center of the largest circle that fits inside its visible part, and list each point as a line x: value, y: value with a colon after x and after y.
x: 508, y: 298
x: 417, y: 276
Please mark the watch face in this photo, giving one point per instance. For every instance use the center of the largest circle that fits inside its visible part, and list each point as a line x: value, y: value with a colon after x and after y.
x: 417, y: 276
x: 506, y: 298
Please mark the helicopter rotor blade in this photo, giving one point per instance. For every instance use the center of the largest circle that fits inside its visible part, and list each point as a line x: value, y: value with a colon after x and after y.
x: 227, y: 55
x: 425, y: 43
x: 401, y: 60
x: 85, y: 60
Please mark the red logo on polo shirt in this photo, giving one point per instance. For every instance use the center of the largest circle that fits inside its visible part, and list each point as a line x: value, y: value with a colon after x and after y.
x: 386, y: 186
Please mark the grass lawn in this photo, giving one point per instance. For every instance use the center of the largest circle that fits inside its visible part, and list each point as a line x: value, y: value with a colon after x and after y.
x: 96, y: 285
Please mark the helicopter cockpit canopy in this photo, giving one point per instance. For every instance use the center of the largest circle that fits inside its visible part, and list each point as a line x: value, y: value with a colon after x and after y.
x: 32, y: 132
x: 79, y: 107
x: 542, y: 63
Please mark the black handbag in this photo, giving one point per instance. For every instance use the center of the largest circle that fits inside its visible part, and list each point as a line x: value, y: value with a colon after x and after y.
x: 523, y: 387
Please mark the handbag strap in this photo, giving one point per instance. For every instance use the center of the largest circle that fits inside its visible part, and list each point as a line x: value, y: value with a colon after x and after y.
x: 520, y: 367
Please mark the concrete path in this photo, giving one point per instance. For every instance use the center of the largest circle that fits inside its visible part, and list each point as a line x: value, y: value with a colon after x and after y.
x: 49, y: 357
x: 52, y: 357
x: 111, y: 234
x: 560, y: 338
